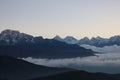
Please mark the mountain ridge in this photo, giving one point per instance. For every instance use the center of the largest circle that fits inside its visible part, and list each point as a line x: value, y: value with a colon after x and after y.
x: 94, y: 41
x: 16, y: 44
x: 81, y: 75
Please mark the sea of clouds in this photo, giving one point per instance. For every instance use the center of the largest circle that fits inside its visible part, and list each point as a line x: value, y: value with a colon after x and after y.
x: 105, y: 49
x: 107, y: 62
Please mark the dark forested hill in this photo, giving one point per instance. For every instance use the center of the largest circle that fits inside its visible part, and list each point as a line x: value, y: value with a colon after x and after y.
x: 81, y: 75
x: 16, y: 69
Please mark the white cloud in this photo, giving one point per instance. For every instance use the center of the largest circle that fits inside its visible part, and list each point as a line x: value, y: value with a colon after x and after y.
x: 106, y: 49
x: 109, y: 63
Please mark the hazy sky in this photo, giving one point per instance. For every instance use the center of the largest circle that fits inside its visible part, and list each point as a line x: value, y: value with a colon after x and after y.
x: 48, y: 18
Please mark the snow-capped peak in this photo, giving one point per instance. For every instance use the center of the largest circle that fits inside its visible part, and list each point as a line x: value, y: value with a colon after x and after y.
x: 58, y: 38
x: 70, y: 40
x: 13, y: 36
x: 10, y: 32
x: 115, y: 38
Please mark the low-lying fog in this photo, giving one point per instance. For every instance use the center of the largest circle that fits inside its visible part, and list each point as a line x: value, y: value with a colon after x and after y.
x: 108, y: 62
x: 106, y: 49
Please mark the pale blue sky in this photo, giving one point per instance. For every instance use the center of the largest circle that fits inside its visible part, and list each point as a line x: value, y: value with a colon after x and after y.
x: 48, y: 18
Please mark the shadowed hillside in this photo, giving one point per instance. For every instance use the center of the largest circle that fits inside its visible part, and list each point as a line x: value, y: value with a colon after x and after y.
x: 81, y: 75
x: 16, y: 69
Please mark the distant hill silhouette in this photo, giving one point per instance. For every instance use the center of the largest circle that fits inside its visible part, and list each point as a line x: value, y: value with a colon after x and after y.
x: 81, y: 75
x: 17, y: 69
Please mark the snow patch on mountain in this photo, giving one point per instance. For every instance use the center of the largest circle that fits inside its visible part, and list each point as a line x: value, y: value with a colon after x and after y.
x: 94, y: 41
x: 13, y: 36
x: 67, y: 39
x: 58, y: 38
x: 70, y: 40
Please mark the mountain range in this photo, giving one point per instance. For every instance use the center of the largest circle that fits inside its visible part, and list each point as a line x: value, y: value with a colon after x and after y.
x: 94, y: 41
x: 17, y: 44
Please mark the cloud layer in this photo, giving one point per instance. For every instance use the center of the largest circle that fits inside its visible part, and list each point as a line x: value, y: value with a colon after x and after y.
x: 106, y: 49
x: 108, y: 63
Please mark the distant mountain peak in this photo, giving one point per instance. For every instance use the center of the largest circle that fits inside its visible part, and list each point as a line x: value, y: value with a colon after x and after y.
x: 70, y: 40
x: 9, y: 32
x: 67, y: 39
x: 9, y: 36
x: 57, y: 37
x: 70, y: 37
x: 98, y: 37
x: 85, y: 38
